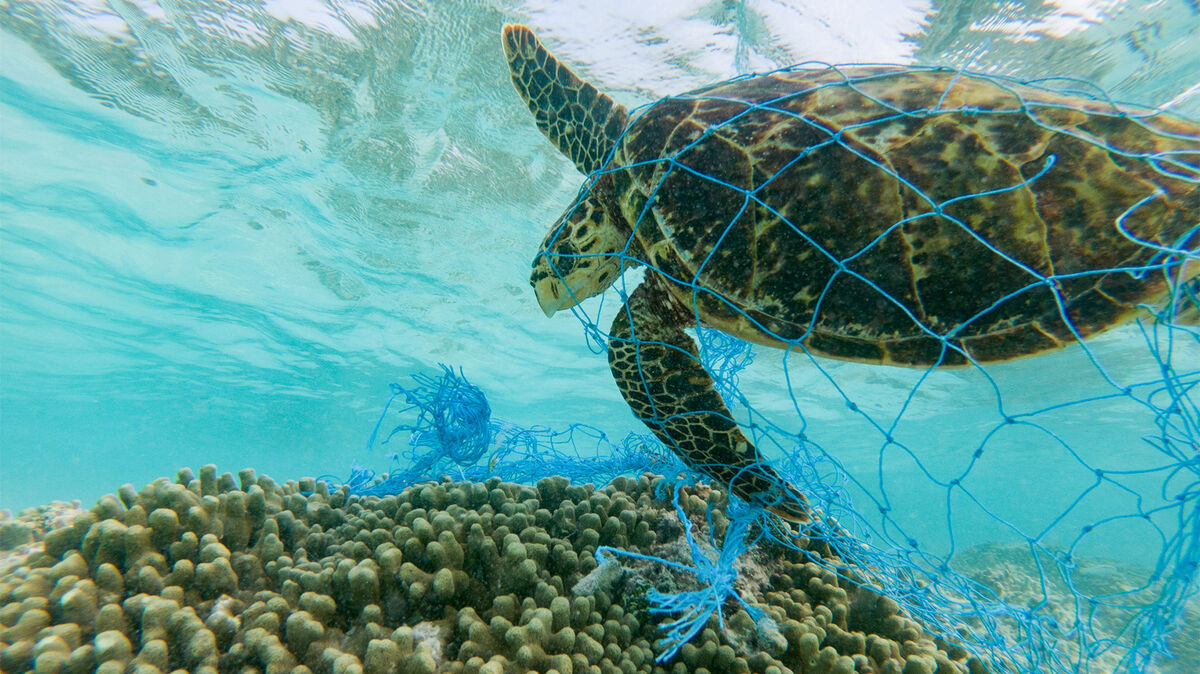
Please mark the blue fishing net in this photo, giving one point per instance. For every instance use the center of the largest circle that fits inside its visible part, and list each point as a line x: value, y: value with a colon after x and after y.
x: 692, y: 609
x: 452, y: 434
x: 724, y: 357
x: 452, y: 419
x: 1021, y: 535
x: 1042, y: 542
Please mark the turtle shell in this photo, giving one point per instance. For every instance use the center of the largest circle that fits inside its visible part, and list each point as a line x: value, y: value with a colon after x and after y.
x: 881, y: 214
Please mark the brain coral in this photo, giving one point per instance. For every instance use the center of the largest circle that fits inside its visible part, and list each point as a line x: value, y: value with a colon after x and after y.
x: 211, y: 574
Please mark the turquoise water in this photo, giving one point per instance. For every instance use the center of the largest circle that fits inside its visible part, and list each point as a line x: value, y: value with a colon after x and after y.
x: 225, y: 228
x: 223, y: 237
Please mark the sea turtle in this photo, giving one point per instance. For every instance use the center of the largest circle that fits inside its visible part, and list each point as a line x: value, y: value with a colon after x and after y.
x: 902, y: 216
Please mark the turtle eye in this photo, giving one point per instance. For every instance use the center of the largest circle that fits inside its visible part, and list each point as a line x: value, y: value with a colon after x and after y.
x: 561, y: 265
x: 550, y: 264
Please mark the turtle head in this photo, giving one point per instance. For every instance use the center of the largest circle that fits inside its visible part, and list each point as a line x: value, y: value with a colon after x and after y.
x: 584, y: 253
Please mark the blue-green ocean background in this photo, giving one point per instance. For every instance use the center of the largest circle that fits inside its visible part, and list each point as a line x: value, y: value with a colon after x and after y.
x: 225, y: 227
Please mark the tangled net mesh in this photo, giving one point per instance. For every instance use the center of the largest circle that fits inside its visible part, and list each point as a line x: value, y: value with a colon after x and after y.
x: 1094, y: 575
x: 453, y: 435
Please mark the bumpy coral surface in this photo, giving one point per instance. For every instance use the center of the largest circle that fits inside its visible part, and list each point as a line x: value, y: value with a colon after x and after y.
x: 22, y: 535
x: 213, y: 574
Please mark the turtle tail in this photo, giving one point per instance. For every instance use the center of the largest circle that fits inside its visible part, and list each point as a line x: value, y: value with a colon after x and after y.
x: 583, y: 123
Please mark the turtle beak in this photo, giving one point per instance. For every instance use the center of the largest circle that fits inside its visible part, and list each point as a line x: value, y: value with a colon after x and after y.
x: 552, y: 295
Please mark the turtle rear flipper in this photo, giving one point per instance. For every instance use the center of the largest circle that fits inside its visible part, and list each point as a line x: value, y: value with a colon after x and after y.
x: 657, y: 368
x: 583, y: 123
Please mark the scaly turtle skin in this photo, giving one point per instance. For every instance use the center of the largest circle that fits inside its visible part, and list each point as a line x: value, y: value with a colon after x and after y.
x: 899, y: 216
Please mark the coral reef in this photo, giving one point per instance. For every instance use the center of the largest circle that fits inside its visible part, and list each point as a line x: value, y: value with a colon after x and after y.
x: 21, y: 536
x: 217, y: 573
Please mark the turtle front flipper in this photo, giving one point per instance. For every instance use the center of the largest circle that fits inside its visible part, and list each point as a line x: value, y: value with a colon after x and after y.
x: 657, y: 367
x: 583, y: 123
